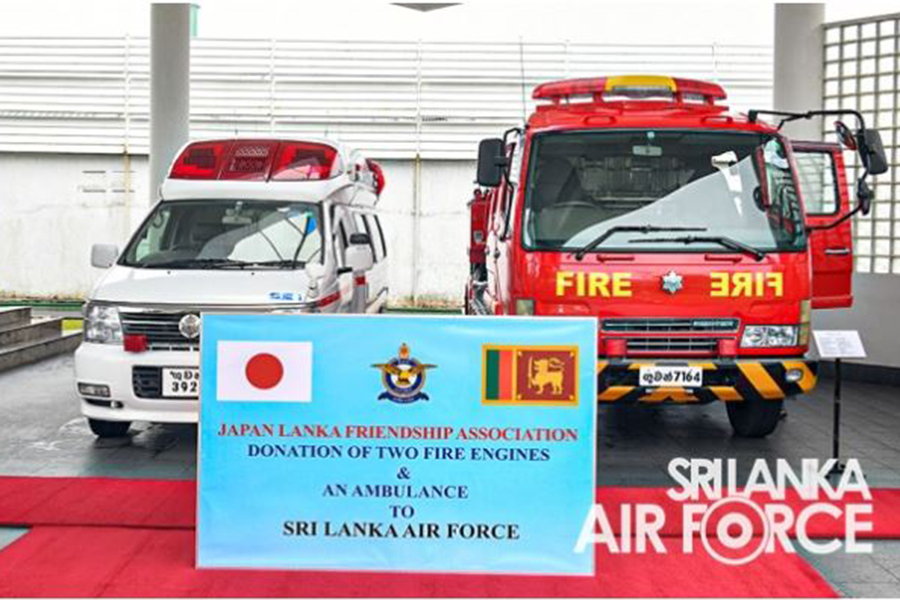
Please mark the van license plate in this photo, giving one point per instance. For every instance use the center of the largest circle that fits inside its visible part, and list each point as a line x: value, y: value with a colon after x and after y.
x: 671, y: 376
x: 181, y: 383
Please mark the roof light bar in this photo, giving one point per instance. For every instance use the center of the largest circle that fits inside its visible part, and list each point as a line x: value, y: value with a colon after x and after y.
x: 200, y: 160
x: 630, y: 86
x: 256, y: 160
x: 249, y: 160
x: 303, y: 161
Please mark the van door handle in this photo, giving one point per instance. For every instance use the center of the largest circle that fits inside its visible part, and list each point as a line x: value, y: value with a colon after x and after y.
x: 837, y: 251
x: 497, y: 253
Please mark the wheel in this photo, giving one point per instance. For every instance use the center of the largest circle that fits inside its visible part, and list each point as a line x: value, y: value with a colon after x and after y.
x: 109, y: 429
x: 754, y: 418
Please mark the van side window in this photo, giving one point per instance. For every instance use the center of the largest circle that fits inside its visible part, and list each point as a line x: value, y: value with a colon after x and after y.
x: 362, y: 226
x: 375, y: 236
x: 380, y: 235
x: 340, y: 241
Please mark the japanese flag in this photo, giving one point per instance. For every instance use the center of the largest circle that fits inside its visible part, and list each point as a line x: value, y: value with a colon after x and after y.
x: 264, y: 371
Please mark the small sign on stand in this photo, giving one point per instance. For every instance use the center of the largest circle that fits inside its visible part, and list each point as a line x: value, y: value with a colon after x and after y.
x: 838, y: 345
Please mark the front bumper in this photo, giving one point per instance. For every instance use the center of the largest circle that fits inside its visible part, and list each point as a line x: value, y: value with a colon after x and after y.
x: 725, y: 380
x: 110, y: 365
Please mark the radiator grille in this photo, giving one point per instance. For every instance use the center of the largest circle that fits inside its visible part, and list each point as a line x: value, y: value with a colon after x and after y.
x: 670, y: 325
x: 161, y: 330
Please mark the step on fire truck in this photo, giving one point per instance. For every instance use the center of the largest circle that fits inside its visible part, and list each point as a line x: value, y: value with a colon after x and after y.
x: 700, y: 239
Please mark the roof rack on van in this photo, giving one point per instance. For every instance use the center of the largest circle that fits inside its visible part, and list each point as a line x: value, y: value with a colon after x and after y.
x: 602, y: 90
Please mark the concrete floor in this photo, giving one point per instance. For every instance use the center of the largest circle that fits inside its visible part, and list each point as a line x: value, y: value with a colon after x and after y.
x: 41, y: 433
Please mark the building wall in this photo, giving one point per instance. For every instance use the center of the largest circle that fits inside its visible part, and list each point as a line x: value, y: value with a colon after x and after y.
x: 874, y: 298
x: 53, y: 207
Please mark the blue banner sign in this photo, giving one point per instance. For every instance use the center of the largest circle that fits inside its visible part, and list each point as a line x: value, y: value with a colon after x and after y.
x: 395, y: 443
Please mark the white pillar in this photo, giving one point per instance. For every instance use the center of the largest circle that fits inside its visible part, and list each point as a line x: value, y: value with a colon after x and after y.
x: 799, y: 64
x: 170, y: 64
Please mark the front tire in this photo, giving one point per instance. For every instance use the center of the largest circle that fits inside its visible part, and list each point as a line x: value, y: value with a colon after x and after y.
x: 109, y: 429
x: 754, y: 418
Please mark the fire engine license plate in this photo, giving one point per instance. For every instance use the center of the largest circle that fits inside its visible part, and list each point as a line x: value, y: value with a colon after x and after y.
x: 181, y: 383
x: 671, y: 376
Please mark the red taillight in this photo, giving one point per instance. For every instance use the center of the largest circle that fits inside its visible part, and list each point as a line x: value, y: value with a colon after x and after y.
x: 303, y: 161
x: 250, y: 160
x: 200, y: 160
x: 135, y: 343
x: 377, y: 174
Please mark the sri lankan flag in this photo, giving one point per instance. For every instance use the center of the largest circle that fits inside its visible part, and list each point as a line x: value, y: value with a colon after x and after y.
x: 535, y: 375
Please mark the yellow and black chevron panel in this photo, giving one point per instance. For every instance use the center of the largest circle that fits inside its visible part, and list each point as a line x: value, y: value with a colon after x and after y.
x: 727, y: 382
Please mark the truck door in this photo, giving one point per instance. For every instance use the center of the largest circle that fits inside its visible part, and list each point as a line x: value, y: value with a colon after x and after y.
x: 823, y: 183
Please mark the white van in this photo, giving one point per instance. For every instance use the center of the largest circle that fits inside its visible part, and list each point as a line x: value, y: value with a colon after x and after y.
x: 268, y: 225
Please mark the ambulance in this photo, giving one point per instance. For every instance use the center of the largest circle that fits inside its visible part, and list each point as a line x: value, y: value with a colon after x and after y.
x: 700, y: 239
x: 248, y: 225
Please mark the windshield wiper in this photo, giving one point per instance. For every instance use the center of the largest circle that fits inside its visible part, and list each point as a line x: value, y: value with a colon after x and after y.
x: 195, y: 263
x: 721, y: 240
x: 282, y: 263
x: 629, y: 229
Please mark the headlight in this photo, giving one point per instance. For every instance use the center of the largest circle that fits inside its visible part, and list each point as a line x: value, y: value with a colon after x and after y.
x: 101, y: 324
x: 769, y: 336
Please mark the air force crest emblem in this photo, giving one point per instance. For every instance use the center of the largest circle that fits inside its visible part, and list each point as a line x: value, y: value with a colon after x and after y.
x: 403, y: 378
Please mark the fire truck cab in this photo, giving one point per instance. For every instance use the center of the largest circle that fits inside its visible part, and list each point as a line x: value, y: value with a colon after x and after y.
x: 700, y: 239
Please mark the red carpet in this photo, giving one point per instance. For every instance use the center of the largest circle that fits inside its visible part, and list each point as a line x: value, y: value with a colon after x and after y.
x: 170, y: 504
x: 97, y: 501
x: 112, y: 561
x: 115, y: 537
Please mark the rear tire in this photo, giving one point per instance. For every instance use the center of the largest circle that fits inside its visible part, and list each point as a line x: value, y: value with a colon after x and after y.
x: 109, y: 429
x: 754, y: 418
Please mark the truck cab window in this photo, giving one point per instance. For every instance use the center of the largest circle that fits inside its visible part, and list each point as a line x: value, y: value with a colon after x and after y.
x: 815, y: 170
x: 580, y: 184
x: 508, y: 191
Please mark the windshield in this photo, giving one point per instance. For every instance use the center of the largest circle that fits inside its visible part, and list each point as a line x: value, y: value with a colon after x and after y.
x: 722, y: 184
x: 227, y: 234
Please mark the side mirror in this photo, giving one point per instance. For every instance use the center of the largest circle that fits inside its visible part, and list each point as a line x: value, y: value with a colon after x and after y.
x: 359, y: 257
x: 103, y: 256
x: 864, y: 196
x: 871, y: 151
x: 491, y: 162
x: 360, y: 239
x: 845, y: 136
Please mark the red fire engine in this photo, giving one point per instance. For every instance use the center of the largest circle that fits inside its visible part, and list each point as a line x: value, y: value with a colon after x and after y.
x: 700, y: 239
